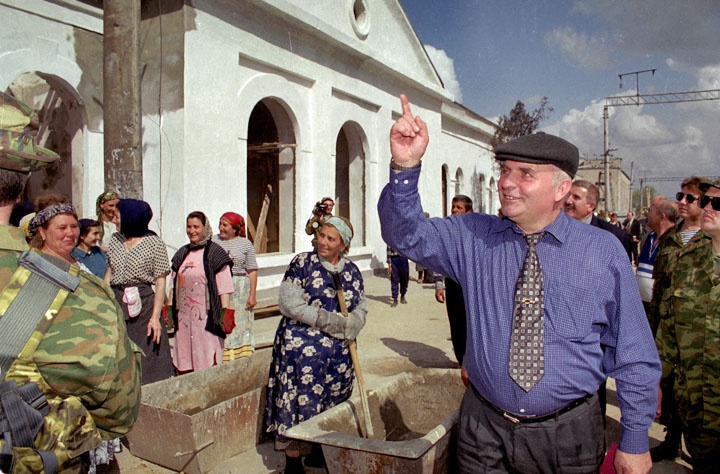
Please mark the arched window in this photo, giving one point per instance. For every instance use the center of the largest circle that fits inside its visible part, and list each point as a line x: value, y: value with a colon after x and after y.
x: 444, y: 184
x: 480, y: 194
x: 350, y: 178
x: 458, y: 182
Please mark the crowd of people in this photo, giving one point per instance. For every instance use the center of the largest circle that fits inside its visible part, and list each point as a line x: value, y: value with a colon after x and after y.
x: 544, y: 305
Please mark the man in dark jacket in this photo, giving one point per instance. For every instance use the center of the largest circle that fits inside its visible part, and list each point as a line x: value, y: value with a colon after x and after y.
x: 633, y: 229
x: 581, y: 204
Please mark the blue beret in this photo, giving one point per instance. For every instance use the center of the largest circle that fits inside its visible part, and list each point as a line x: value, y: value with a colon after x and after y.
x: 541, y: 148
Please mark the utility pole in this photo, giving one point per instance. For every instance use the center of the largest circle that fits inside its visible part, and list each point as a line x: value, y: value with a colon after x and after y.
x: 122, y: 113
x: 637, y: 99
x: 606, y: 152
x: 637, y: 79
x: 606, y: 157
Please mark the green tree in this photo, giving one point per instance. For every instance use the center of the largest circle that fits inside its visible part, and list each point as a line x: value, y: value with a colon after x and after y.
x: 520, y: 122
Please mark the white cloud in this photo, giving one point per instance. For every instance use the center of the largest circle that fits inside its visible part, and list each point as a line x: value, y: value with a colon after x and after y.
x: 709, y: 77
x: 445, y: 67
x: 588, y: 52
x: 659, y: 141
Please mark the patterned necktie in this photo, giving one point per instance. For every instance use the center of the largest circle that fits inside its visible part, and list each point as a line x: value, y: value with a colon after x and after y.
x: 526, y: 348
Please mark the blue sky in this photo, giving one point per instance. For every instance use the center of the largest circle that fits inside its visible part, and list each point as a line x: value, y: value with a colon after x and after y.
x: 491, y: 53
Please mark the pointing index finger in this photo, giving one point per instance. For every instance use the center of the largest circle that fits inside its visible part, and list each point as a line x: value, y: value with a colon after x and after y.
x: 405, y: 105
x: 407, y: 113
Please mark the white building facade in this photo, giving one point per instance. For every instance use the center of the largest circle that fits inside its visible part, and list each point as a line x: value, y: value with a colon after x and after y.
x: 239, y: 97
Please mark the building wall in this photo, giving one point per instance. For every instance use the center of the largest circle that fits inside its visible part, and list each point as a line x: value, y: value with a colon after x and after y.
x: 619, y: 185
x: 317, y: 67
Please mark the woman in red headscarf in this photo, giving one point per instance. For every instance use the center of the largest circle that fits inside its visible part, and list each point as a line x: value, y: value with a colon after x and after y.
x: 231, y: 237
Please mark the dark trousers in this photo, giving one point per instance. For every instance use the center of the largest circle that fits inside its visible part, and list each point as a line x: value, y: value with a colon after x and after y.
x: 489, y: 443
x: 455, y: 302
x: 704, y: 447
x: 399, y: 276
x: 670, y: 415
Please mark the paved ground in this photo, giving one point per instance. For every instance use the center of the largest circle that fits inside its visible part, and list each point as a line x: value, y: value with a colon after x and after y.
x: 395, y: 340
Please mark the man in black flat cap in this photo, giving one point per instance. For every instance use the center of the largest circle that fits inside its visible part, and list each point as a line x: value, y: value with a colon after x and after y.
x: 552, y: 311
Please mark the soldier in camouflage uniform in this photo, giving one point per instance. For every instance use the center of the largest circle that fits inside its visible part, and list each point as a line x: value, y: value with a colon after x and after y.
x: 84, y: 363
x: 685, y: 232
x: 688, y: 338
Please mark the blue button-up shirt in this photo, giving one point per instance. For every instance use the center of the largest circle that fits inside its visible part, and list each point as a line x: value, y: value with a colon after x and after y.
x: 595, y: 325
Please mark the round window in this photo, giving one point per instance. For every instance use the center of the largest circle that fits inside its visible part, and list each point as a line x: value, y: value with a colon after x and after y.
x: 360, y: 18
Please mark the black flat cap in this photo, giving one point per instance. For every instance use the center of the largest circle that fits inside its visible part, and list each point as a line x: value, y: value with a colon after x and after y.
x: 541, y: 148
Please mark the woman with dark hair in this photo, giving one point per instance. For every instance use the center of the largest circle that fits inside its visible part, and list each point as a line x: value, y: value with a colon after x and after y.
x: 137, y: 261
x: 202, y: 284
x: 87, y: 251
x: 241, y: 341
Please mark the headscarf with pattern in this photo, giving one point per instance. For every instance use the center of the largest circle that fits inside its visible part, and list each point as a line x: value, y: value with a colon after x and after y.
x: 43, y: 217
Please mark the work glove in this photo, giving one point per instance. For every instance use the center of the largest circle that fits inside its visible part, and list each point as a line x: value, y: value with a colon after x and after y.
x: 338, y: 326
x: 228, y: 320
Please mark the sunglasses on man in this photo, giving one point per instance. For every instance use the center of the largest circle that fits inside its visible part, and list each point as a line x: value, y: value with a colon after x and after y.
x: 713, y: 201
x: 690, y: 198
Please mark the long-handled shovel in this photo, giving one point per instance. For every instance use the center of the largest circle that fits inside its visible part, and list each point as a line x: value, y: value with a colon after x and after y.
x: 355, y: 360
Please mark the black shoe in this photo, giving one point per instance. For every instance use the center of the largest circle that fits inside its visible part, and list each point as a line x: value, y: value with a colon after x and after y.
x: 403, y: 300
x: 293, y: 465
x: 667, y: 450
x: 393, y: 304
x: 316, y: 459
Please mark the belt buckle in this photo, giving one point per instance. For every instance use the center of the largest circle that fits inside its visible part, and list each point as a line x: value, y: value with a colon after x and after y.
x: 511, y: 418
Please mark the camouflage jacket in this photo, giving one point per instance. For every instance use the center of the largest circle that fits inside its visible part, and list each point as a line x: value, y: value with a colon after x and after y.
x: 85, y: 364
x: 688, y: 339
x: 669, y: 246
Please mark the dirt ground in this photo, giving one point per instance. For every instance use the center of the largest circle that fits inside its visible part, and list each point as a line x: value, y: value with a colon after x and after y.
x: 396, y: 340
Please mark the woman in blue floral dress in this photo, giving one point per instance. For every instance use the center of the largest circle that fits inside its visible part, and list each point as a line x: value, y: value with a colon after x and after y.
x: 311, y: 369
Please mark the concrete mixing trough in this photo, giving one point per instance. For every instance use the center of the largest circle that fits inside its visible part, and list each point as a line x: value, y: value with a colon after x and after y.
x: 193, y: 422
x: 413, y: 418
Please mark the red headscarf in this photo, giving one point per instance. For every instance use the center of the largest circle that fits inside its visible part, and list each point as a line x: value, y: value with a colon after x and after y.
x: 236, y: 221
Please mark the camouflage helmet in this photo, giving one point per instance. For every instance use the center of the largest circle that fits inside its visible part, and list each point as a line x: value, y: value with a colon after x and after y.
x: 18, y: 126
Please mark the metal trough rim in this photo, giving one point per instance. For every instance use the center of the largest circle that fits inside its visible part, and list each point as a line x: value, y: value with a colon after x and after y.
x: 412, y: 449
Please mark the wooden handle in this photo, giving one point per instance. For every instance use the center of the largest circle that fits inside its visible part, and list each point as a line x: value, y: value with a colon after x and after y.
x: 369, y: 432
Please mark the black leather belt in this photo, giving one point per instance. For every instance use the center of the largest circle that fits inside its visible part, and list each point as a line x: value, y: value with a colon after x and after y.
x: 519, y: 419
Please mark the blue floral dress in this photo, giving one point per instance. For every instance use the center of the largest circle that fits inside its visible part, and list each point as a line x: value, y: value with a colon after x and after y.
x: 311, y: 371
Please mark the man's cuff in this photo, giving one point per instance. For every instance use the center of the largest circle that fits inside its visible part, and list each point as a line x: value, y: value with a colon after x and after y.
x: 634, y: 442
x: 404, y: 181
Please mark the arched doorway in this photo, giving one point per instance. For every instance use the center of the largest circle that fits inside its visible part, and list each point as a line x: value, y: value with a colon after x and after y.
x: 62, y: 121
x: 271, y: 176
x: 350, y: 177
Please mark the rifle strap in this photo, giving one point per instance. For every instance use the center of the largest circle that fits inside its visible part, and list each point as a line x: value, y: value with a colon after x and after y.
x: 37, y: 289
